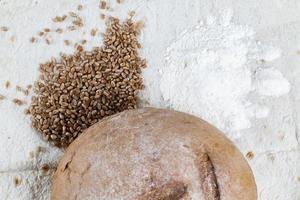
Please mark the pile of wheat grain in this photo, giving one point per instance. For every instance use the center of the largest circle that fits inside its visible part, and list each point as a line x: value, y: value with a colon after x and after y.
x: 76, y: 91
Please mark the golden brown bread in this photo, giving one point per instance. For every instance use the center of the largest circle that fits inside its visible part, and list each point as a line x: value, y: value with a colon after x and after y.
x: 153, y: 154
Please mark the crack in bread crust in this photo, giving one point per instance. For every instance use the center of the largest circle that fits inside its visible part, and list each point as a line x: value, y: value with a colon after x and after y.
x: 171, y: 191
x: 208, y: 177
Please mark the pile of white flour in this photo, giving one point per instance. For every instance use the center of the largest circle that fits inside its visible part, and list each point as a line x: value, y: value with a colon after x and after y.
x: 212, y: 68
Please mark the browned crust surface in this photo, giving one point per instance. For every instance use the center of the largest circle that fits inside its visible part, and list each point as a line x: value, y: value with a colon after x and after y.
x: 208, y: 177
x: 170, y: 191
x: 115, y: 158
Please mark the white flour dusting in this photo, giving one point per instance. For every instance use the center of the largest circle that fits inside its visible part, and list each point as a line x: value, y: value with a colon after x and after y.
x: 270, y: 82
x: 211, y: 69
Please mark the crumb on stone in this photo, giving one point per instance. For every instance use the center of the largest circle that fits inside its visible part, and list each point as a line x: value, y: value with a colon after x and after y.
x: 17, y: 181
x: 250, y: 155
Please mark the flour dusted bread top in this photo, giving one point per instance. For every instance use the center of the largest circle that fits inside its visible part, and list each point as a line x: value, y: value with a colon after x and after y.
x: 153, y: 154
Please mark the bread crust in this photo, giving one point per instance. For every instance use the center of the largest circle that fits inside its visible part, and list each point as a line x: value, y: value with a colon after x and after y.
x: 208, y: 177
x: 154, y: 154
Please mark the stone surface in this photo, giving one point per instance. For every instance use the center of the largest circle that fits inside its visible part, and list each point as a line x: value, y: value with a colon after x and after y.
x: 274, y: 140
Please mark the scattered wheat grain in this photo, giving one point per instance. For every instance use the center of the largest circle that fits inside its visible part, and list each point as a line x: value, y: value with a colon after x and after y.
x: 94, y: 32
x: 7, y: 84
x: 4, y: 28
x: 103, y: 5
x: 71, y: 28
x: 67, y: 42
x: 18, y: 102
x: 41, y: 33
x: 73, y: 14
x: 102, y: 16
x: 59, y: 30
x: 83, y: 42
x: 59, y: 18
x: 33, y: 40
x: 79, y: 7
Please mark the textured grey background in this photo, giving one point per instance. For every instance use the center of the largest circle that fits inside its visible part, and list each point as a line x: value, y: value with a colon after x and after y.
x: 273, y: 140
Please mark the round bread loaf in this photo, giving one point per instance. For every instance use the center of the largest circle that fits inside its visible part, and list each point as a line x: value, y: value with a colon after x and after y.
x: 153, y: 154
